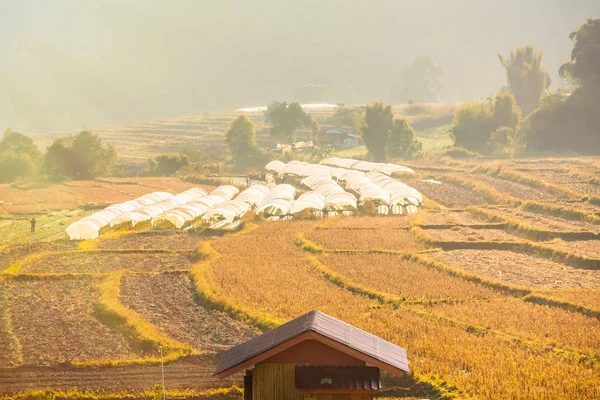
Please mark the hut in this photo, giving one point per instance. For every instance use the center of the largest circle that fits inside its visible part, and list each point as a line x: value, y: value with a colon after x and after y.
x: 313, y: 357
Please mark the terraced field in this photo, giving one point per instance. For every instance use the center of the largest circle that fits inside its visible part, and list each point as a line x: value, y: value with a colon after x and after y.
x: 494, y: 289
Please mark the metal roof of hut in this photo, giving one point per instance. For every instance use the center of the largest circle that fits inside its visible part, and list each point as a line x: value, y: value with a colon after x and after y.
x: 323, y: 328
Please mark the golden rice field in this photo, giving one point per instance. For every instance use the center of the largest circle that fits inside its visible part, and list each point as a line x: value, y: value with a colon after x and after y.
x: 480, y: 317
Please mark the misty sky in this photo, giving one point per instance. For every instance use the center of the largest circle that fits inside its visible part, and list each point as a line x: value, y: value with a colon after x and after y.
x: 72, y: 63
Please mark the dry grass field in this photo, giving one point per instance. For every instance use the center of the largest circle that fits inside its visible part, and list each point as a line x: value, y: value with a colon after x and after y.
x: 501, y: 300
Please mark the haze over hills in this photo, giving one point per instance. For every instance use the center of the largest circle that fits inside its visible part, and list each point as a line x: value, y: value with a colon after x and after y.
x: 69, y: 64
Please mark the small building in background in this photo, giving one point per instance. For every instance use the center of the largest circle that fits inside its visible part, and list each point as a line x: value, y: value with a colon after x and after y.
x: 313, y: 357
x: 338, y: 139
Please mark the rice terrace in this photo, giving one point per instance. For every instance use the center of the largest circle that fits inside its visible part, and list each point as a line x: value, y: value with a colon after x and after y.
x: 418, y: 224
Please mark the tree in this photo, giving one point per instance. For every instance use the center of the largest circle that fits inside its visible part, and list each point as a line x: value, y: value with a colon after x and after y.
x: 475, y: 122
x: 347, y: 117
x: 379, y: 121
x: 19, y: 156
x: 82, y: 156
x: 167, y: 164
x: 402, y: 141
x: 527, y: 77
x: 286, y: 118
x: 571, y: 121
x: 420, y: 81
x: 241, y: 138
x: 506, y: 111
x: 311, y: 93
x: 584, y: 65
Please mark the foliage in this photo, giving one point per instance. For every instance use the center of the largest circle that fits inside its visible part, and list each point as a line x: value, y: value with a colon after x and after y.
x: 347, y: 117
x: 402, y: 141
x: 19, y: 156
x: 420, y: 81
x: 311, y: 93
x: 475, y: 122
x: 461, y: 152
x: 571, y: 122
x: 527, y: 78
x: 82, y: 156
x: 167, y: 164
x: 241, y: 138
x: 286, y: 118
x: 379, y: 121
x: 503, y: 142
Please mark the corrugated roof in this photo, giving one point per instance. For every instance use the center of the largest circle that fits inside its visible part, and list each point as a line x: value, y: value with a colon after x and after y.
x: 324, y: 325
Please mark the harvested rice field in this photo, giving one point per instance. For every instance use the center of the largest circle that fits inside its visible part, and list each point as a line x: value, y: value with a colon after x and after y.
x: 12, y: 253
x: 548, y: 222
x: 64, y: 311
x: 519, y: 269
x: 365, y: 239
x: 551, y: 326
x: 448, y: 194
x: 518, y: 190
x: 104, y: 262
x: 465, y: 234
x: 152, y: 241
x: 369, y: 222
x: 169, y: 302
x: 585, y: 248
x: 449, y: 217
x: 394, y: 274
x: 586, y: 297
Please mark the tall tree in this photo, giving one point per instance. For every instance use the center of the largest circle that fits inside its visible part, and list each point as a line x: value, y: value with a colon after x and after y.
x: 506, y: 111
x: 420, y: 81
x: 584, y: 65
x: 527, y: 77
x: 241, y: 138
x: 379, y: 121
x: 82, y: 156
x: 19, y: 156
x: 286, y: 118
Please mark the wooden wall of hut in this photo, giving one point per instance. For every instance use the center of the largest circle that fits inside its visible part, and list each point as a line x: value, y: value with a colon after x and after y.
x: 274, y: 382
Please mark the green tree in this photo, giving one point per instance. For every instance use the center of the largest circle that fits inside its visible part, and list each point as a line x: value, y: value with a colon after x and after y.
x: 420, y: 81
x: 241, y: 139
x: 402, y: 141
x: 527, y: 77
x: 473, y: 123
x: 571, y: 121
x: 379, y: 122
x: 506, y: 111
x: 347, y: 117
x: 167, y: 164
x: 286, y: 118
x: 19, y: 156
x: 82, y: 156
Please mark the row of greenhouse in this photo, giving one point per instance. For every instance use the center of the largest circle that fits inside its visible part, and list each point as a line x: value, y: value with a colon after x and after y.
x: 306, y: 191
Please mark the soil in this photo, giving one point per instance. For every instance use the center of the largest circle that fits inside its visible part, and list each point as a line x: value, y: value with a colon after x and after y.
x: 567, y: 181
x: 463, y: 234
x: 193, y: 372
x: 586, y: 248
x: 54, y: 322
x: 448, y: 194
x: 9, y: 353
x: 168, y: 302
x: 92, y: 262
x: 167, y: 241
x: 549, y: 222
x: 518, y: 190
x: 519, y: 269
x: 449, y: 217
x: 13, y: 253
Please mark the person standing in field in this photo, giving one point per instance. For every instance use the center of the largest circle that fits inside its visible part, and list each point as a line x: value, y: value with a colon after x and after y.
x: 32, y: 222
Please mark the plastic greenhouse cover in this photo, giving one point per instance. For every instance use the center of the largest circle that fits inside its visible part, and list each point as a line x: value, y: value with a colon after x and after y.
x: 89, y: 227
x: 229, y: 211
x: 275, y: 166
x: 254, y: 195
x: 339, y: 162
x: 340, y: 200
x: 211, y: 200
x: 309, y: 200
x: 390, y: 169
x: 226, y: 191
x: 275, y: 207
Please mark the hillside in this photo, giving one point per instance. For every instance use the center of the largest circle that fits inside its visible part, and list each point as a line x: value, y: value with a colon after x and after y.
x: 493, y: 288
x: 136, y: 142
